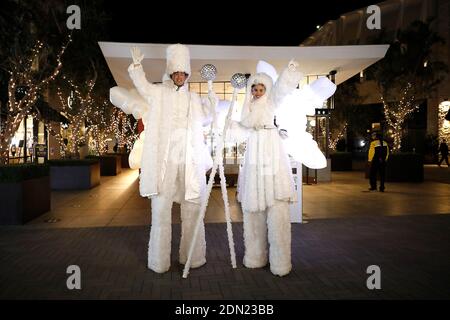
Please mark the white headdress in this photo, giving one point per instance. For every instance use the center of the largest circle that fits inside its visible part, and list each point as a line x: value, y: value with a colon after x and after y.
x: 178, y: 59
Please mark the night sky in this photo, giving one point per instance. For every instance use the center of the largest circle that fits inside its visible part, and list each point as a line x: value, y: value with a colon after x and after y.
x: 230, y: 23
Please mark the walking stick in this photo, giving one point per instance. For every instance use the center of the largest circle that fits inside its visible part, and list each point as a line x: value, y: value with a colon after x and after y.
x: 238, y: 81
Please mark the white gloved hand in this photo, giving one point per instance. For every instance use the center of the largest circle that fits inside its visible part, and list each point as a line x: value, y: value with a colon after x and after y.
x: 137, y: 55
x: 293, y: 65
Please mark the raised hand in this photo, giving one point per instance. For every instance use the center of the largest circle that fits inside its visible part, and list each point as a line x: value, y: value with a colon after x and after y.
x: 137, y: 55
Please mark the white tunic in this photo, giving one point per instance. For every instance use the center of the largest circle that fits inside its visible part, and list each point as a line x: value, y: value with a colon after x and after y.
x: 170, y: 138
x: 266, y: 174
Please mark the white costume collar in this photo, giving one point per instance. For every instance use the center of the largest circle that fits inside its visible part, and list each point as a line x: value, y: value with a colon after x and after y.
x: 172, y: 85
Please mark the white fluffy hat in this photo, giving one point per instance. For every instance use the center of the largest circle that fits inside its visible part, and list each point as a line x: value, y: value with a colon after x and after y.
x: 260, y: 78
x: 178, y: 59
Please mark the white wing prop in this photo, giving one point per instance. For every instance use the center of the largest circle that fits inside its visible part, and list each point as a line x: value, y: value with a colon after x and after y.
x: 221, y: 113
x: 135, y: 157
x: 291, y: 116
x: 130, y: 101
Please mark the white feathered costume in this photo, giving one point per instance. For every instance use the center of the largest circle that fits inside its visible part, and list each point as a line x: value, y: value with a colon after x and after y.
x: 266, y: 184
x: 174, y: 160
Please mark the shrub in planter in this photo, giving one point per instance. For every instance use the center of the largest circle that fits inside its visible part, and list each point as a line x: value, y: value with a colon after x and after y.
x: 74, y: 174
x: 110, y: 165
x: 24, y: 192
x: 341, y: 161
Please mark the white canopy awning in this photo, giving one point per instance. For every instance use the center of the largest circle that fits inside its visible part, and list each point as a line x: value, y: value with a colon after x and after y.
x: 346, y: 60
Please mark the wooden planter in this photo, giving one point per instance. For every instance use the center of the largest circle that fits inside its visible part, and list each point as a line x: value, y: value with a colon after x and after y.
x: 110, y: 165
x: 76, y: 177
x: 23, y: 201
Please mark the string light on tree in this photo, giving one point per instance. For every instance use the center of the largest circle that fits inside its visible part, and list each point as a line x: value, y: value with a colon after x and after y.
x: 81, y: 112
x: 396, y: 114
x: 23, y: 76
x: 124, y: 132
x: 341, y: 134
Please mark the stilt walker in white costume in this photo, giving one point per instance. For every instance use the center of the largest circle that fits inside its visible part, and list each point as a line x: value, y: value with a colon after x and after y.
x: 174, y: 158
x: 266, y: 184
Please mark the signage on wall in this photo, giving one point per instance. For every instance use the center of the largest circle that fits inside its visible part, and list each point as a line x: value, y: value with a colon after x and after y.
x: 41, y: 150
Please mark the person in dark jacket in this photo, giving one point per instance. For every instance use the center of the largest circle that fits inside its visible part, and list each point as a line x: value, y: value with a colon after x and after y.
x: 378, y: 155
x: 443, y: 150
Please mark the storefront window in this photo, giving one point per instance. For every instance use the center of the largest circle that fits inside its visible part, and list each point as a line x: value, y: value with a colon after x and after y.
x: 21, y: 142
x: 22, y: 145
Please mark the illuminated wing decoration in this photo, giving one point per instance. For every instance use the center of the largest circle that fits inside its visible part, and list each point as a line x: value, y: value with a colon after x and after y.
x: 130, y: 101
x: 291, y: 116
x: 134, y: 159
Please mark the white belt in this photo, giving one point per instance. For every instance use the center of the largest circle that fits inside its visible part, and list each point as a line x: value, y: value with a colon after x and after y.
x: 264, y: 127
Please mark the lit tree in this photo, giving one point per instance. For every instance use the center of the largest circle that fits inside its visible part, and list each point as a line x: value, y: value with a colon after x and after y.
x: 24, y: 85
x: 78, y: 111
x: 408, y: 61
x: 99, y: 130
x: 117, y: 125
x: 347, y: 113
x: 34, y: 40
x: 61, y: 140
x: 336, y: 136
x: 124, y: 131
x: 396, y: 113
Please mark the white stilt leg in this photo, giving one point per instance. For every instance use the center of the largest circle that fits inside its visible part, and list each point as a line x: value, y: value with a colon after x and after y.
x: 218, y: 161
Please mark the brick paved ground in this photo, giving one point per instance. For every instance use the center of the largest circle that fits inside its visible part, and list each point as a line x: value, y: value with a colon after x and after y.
x: 330, y: 258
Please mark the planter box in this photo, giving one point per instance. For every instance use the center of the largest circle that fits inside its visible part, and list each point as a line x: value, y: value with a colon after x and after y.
x: 341, y: 161
x: 125, y: 163
x: 110, y: 165
x: 25, y: 200
x: 403, y: 167
x: 75, y: 177
x: 123, y: 157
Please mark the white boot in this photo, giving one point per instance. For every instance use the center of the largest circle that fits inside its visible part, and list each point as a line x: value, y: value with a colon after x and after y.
x: 255, y: 239
x: 159, y: 246
x: 189, y: 214
x: 279, y: 225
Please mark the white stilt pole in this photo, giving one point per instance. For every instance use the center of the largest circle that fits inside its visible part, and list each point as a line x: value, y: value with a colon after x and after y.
x: 218, y: 163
